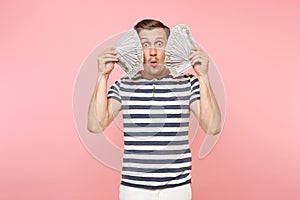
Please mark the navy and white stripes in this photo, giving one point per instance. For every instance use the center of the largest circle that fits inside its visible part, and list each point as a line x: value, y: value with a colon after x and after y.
x: 156, y: 123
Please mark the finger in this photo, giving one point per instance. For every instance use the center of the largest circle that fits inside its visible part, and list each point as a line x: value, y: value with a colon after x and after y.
x: 195, y: 57
x: 193, y: 54
x: 197, y: 60
x: 102, y: 63
x: 108, y: 68
x: 199, y: 52
x: 111, y: 50
x: 110, y: 56
x: 108, y: 60
x: 197, y: 48
x: 107, y: 56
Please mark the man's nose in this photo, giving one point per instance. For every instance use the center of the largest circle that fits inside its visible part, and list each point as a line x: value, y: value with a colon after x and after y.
x: 153, y: 51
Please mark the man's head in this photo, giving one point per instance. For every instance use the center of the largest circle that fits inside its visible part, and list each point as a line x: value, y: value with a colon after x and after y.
x: 154, y: 36
x: 150, y: 24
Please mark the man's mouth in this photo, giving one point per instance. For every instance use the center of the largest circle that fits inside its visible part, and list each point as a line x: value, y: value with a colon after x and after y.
x: 153, y: 63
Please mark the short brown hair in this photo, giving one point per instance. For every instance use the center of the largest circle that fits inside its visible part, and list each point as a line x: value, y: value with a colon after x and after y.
x: 150, y: 24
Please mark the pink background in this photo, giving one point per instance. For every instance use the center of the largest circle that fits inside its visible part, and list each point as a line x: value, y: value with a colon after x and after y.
x: 254, y: 45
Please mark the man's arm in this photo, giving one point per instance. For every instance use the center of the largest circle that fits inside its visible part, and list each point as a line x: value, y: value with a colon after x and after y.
x: 102, y: 110
x: 206, y: 109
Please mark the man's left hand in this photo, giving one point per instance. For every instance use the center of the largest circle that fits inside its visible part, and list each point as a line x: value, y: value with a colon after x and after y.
x: 199, y: 60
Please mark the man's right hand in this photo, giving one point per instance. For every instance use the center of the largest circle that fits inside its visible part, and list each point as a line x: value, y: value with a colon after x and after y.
x: 106, y: 61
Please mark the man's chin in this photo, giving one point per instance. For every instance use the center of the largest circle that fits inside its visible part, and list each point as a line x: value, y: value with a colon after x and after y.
x: 154, y: 72
x: 155, y: 66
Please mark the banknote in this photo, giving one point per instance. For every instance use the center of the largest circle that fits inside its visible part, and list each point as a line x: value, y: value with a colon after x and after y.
x: 130, y: 53
x: 178, y: 49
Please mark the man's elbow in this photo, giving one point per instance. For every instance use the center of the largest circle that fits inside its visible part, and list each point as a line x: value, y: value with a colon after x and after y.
x: 214, y: 129
x: 95, y: 128
x: 210, y: 129
x: 213, y: 132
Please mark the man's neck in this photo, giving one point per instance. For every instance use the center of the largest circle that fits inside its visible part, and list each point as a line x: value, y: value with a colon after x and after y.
x: 163, y: 74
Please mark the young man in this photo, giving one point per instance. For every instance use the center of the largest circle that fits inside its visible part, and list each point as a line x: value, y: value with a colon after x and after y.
x: 156, y: 108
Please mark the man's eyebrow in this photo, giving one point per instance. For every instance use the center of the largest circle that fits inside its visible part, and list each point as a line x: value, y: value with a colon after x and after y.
x: 145, y: 38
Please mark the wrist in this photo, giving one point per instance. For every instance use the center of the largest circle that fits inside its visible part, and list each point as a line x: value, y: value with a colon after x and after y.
x: 103, y: 76
x: 203, y: 76
x: 203, y: 80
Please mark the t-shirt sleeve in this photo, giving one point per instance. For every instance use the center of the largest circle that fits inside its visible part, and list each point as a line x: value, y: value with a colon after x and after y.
x: 195, y: 90
x: 114, y: 91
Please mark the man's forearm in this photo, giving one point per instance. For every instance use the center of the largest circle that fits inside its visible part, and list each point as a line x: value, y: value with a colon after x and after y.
x: 210, y: 116
x: 98, y: 112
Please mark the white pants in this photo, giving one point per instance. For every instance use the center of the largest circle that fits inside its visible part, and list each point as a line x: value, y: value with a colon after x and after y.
x: 183, y: 192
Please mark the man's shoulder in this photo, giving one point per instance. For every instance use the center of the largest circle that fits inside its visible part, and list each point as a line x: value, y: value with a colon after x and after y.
x: 184, y: 76
x: 126, y: 79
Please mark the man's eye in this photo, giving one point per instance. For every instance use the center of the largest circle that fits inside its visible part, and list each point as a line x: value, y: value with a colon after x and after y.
x: 145, y: 45
x: 159, y: 44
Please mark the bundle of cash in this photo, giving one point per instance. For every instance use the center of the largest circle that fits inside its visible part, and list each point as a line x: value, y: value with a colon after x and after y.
x: 178, y: 49
x: 130, y: 53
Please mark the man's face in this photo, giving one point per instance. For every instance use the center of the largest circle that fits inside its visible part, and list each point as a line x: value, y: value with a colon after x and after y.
x: 153, y: 43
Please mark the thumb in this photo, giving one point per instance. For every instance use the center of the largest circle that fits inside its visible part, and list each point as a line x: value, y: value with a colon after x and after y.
x: 108, y: 68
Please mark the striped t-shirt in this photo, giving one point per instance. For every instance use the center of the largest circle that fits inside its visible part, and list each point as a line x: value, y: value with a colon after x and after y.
x: 156, y: 122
